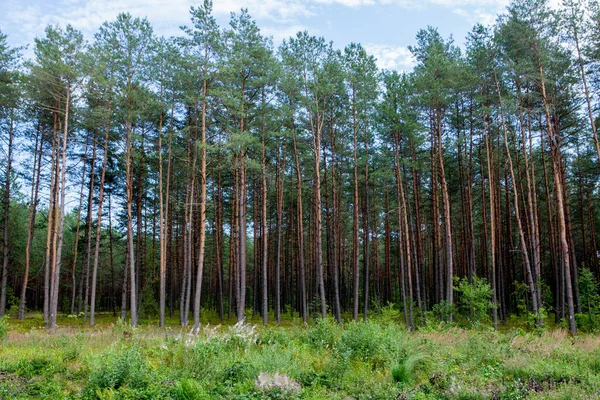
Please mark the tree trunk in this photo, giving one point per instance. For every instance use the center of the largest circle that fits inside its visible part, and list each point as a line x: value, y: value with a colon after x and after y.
x: 202, y: 230
x: 300, y: 230
x: 99, y: 221
x: 5, y: 245
x: 35, y: 187
x: 55, y: 273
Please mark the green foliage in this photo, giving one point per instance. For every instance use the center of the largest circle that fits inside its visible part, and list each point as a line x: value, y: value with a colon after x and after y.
x: 365, y: 341
x: 148, y: 303
x: 475, y: 299
x: 387, y: 314
x: 520, y: 293
x: 34, y: 366
x: 323, y: 333
x: 117, y: 367
x: 443, y: 310
x: 413, y: 368
x: 4, y: 326
x: 589, y: 298
x: 189, y: 389
x: 325, y: 360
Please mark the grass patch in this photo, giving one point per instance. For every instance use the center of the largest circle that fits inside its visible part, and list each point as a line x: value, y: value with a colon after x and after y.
x: 323, y: 360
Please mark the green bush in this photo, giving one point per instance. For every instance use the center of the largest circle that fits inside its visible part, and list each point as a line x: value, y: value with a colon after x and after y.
x: 119, y: 366
x: 323, y: 333
x: 590, y: 301
x: 443, y: 310
x: 365, y: 341
x: 475, y: 299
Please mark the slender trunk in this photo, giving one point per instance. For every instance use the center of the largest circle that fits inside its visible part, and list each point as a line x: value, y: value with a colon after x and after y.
x: 99, y: 221
x: 535, y: 248
x: 162, y: 229
x: 6, y: 215
x: 280, y: 184
x: 318, y: 220
x: 558, y: 185
x: 202, y: 230
x: 55, y: 275
x: 420, y: 259
x: 447, y: 217
x: 403, y: 226
x: 112, y: 259
x: 265, y: 293
x: 76, y: 246
x: 366, y: 235
x: 219, y: 238
x: 492, y: 224
x: 50, y: 237
x: 89, y: 224
x: 131, y: 254
x: 241, y: 305
x: 336, y: 237
x: 35, y: 187
x: 355, y: 237
x: 124, y: 286
x: 300, y: 230
x: 524, y: 249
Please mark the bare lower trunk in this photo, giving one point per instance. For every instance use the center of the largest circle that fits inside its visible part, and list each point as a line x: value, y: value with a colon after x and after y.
x: 35, y: 186
x: 6, y: 216
x: 99, y: 224
x: 524, y: 250
x: 202, y: 230
x: 55, y: 275
x: 558, y: 185
x: 300, y: 230
x: 241, y: 305
x: 131, y: 254
x: 280, y: 183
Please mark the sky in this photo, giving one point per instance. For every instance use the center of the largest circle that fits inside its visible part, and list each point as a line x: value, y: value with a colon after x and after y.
x: 384, y: 27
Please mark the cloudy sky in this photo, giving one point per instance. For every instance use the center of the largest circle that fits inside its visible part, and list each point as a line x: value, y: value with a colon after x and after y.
x: 385, y: 27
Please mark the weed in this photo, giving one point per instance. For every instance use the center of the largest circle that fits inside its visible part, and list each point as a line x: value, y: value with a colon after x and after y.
x: 3, y: 328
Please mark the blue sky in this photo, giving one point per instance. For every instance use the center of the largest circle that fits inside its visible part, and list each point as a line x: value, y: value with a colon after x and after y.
x: 385, y: 27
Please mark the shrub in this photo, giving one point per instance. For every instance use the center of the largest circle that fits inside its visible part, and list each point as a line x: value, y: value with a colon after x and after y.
x: 119, y: 366
x: 443, y: 310
x: 590, y: 301
x: 475, y: 298
x: 323, y: 333
x: 148, y: 303
x: 365, y: 341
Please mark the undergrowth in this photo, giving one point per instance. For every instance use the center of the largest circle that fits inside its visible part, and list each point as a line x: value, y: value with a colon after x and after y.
x: 378, y: 359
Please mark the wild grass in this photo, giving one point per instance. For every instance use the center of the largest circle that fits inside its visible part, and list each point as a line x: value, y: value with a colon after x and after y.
x: 378, y: 359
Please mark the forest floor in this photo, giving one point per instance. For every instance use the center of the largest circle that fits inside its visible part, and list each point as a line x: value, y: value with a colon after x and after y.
x: 322, y: 360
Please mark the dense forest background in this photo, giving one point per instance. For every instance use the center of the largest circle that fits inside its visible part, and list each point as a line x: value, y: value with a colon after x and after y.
x: 150, y: 176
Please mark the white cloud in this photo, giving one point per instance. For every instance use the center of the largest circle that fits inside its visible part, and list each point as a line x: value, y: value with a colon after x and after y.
x: 483, y: 16
x: 25, y: 19
x: 391, y: 57
x: 276, y: 10
x: 348, y: 3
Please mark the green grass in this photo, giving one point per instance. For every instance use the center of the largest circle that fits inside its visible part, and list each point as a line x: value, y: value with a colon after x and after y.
x: 323, y: 360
